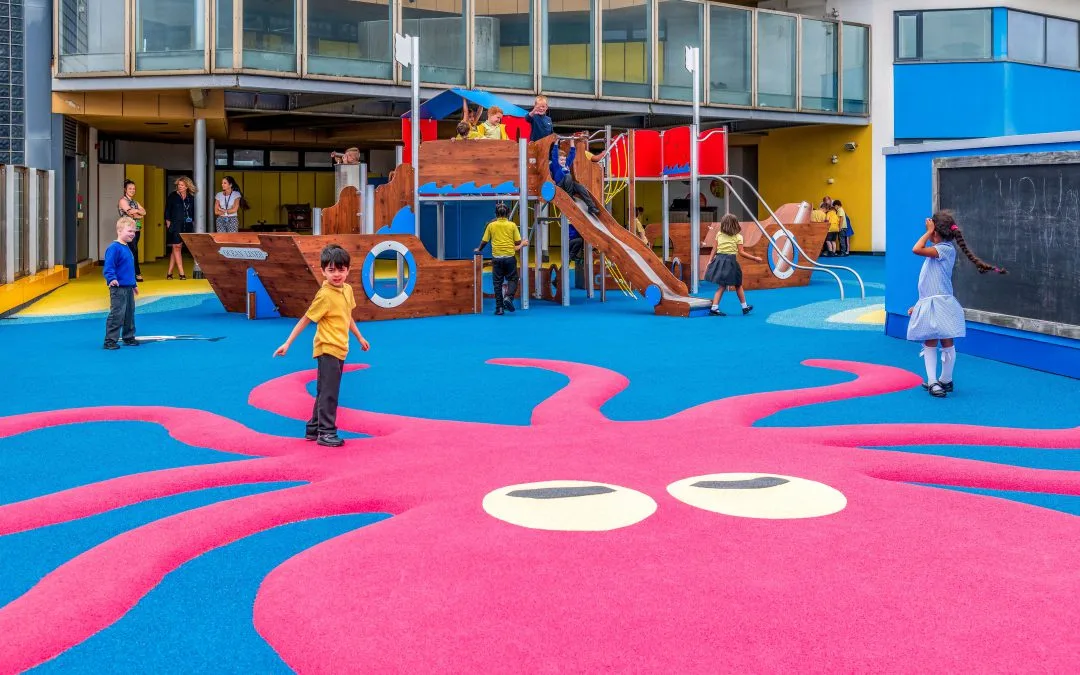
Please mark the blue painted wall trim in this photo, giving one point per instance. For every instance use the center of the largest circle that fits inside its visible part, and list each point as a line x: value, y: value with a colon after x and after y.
x: 908, y: 202
x: 1051, y: 355
x: 1000, y: 47
x: 985, y: 100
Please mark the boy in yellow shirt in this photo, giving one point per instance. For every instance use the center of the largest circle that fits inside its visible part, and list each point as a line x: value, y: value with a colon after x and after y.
x: 639, y: 229
x: 493, y: 129
x: 331, y: 311
x: 834, y: 230
x: 505, y: 241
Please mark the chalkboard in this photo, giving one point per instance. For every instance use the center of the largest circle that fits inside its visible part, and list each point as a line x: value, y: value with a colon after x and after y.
x: 1021, y: 212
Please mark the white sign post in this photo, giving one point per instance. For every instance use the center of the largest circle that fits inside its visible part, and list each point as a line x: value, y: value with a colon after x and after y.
x: 407, y: 53
x: 693, y: 61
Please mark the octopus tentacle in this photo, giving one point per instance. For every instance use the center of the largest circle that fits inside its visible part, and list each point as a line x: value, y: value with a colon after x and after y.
x: 192, y: 427
x: 589, y: 389
x: 909, y: 468
x: 288, y: 396
x: 885, y: 435
x: 747, y: 409
x: 113, y: 576
x: 90, y: 500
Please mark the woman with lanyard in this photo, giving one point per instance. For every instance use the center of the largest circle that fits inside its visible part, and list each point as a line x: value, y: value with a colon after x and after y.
x: 227, y: 205
x: 179, y: 212
x: 130, y: 208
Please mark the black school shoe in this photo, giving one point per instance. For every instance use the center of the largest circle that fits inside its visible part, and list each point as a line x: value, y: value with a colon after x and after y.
x: 716, y: 312
x: 111, y: 345
x: 508, y: 305
x: 746, y: 310
x: 330, y: 440
x: 498, y: 311
x: 308, y: 436
x: 131, y: 343
x: 947, y: 386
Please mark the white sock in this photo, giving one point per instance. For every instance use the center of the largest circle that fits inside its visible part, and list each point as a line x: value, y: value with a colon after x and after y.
x: 948, y: 360
x: 744, y: 305
x: 716, y: 306
x: 929, y: 355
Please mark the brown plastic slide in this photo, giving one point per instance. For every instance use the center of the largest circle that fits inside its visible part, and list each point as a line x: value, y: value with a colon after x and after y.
x: 637, y: 262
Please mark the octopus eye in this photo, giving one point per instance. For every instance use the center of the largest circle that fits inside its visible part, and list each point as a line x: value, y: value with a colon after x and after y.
x: 569, y: 506
x: 754, y: 495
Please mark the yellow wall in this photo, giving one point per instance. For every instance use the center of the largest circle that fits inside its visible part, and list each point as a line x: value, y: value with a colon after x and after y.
x: 794, y: 165
x: 266, y: 191
x: 150, y: 193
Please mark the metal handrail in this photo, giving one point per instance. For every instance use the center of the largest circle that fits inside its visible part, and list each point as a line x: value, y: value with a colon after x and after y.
x: 791, y: 237
x: 776, y: 247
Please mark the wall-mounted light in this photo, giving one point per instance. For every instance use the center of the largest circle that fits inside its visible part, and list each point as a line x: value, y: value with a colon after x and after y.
x: 851, y: 146
x: 830, y: 181
x: 834, y: 159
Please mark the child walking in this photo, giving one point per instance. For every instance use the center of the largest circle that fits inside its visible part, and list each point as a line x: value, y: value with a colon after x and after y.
x: 937, y: 315
x: 331, y: 311
x: 119, y: 273
x: 505, y: 241
x: 724, y: 268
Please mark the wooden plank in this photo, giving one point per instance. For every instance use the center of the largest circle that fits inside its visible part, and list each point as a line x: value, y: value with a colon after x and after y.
x: 227, y: 276
x: 482, y: 162
x: 394, y: 195
x: 343, y: 217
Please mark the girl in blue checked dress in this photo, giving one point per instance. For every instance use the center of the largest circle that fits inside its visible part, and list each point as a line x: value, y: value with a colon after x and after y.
x: 937, y: 315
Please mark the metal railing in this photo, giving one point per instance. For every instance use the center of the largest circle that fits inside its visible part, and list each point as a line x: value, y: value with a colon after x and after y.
x: 26, y: 221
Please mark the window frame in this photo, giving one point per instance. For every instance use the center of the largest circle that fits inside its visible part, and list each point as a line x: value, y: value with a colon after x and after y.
x: 919, y: 44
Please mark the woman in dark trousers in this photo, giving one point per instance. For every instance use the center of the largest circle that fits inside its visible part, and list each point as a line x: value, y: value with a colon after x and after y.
x: 130, y: 208
x: 179, y: 218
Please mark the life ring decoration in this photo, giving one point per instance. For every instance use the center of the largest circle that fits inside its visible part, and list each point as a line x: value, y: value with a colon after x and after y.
x: 782, y: 241
x: 367, y: 275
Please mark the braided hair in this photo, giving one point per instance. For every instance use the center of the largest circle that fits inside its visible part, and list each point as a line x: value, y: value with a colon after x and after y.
x: 946, y: 228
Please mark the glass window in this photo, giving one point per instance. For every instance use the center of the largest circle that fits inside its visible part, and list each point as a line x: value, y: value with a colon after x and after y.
x: 680, y: 26
x: 284, y: 158
x: 907, y: 36
x: 856, y: 82
x: 1027, y: 37
x: 568, y: 46
x: 819, y: 65
x: 730, y: 69
x: 441, y: 28
x: 350, y: 39
x: 502, y: 44
x: 248, y: 158
x: 627, y: 62
x: 957, y: 34
x: 776, y: 60
x: 170, y: 34
x: 223, y: 34
x: 221, y: 157
x: 1062, y: 43
x: 270, y: 35
x: 317, y: 158
x: 91, y: 36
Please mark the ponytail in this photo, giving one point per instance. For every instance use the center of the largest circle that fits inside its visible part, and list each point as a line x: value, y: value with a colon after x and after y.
x: 947, y: 229
x: 982, y: 265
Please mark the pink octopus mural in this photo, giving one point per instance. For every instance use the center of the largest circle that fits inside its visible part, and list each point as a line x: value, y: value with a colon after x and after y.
x: 695, y: 543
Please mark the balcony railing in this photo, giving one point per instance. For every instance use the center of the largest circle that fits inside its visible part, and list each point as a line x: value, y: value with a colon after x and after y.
x: 622, y: 49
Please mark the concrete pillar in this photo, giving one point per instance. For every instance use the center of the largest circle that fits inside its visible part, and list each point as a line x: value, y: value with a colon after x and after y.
x: 199, y: 163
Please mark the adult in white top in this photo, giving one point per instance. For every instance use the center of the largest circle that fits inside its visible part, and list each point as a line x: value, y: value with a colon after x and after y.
x: 227, y: 205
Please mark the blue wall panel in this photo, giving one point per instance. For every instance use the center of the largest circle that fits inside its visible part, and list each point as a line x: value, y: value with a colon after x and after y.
x: 908, y: 202
x: 949, y: 100
x: 983, y: 100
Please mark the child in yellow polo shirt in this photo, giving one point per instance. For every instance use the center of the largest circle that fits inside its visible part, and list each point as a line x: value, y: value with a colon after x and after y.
x: 331, y: 311
x: 505, y: 241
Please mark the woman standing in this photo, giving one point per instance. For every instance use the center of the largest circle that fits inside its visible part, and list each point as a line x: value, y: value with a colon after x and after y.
x: 179, y: 216
x: 227, y: 205
x: 130, y: 208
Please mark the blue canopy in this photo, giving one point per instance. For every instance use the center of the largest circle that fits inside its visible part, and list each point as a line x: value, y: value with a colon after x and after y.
x: 449, y: 102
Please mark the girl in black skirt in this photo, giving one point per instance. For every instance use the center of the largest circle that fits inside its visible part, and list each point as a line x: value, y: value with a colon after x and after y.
x: 724, y: 268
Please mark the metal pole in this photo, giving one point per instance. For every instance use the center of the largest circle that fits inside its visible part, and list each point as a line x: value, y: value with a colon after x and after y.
x: 210, y: 173
x: 399, y: 155
x: 199, y: 164
x: 369, y: 210
x: 564, y: 270
x: 666, y: 232
x: 603, y: 277
x: 440, y: 227
x: 523, y: 216
x: 590, y: 283
x: 727, y: 169
x: 694, y: 63
x: 415, y: 127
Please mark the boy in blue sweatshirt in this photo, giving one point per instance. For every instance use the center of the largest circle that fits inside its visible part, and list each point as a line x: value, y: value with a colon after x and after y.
x: 120, y: 275
x: 562, y: 173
